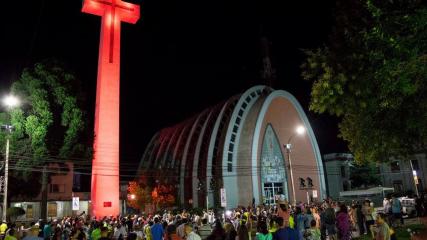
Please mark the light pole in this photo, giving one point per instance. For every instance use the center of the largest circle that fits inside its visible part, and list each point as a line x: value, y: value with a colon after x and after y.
x: 298, y: 131
x: 414, y: 174
x: 10, y: 102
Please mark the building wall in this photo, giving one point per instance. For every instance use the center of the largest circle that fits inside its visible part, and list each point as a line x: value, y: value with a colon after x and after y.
x: 335, y: 178
x: 284, y: 118
x: 401, y: 178
x: 234, y: 151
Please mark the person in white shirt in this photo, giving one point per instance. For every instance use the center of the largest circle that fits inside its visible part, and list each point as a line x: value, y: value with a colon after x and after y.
x: 120, y: 230
x: 190, y: 234
x: 180, y: 230
x: 386, y: 205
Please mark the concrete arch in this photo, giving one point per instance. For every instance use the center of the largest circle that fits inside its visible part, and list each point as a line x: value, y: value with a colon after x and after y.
x: 215, y: 134
x: 196, y: 159
x: 257, y: 134
x: 147, y: 153
x: 184, y: 158
x: 248, y: 98
x: 170, y: 144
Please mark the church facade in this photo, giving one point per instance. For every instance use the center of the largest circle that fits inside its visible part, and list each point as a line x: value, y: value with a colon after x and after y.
x: 242, y: 147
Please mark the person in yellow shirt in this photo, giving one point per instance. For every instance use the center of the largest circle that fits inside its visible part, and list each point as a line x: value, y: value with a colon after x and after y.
x: 3, y: 228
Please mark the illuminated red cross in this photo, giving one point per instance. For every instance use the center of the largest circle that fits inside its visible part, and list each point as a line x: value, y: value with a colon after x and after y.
x: 105, y: 163
x: 112, y: 12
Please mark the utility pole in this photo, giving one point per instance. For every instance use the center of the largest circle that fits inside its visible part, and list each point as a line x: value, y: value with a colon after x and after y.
x: 10, y: 102
x: 415, y: 177
x: 8, y: 129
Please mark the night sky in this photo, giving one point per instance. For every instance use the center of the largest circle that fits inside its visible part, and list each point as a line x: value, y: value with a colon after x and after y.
x: 180, y: 58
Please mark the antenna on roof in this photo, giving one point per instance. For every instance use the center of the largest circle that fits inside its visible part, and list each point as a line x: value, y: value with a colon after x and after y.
x: 268, y: 73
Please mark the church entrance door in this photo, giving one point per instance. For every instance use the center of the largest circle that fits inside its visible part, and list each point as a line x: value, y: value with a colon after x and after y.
x: 273, y: 191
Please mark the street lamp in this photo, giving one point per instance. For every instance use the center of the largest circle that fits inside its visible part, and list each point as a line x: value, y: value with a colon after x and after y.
x: 414, y: 174
x: 9, y: 101
x: 298, y: 131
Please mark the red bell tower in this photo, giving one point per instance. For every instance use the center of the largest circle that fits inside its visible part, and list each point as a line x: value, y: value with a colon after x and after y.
x: 105, y: 164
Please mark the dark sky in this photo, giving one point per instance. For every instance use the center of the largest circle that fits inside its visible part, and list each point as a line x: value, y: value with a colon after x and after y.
x: 181, y: 56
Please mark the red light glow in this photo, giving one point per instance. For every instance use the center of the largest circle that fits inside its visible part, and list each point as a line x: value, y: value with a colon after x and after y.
x: 105, y: 164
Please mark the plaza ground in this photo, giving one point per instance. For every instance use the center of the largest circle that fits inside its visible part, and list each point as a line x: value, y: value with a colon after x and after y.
x: 418, y: 225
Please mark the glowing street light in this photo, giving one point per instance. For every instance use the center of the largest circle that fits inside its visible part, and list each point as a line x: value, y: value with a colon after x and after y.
x: 9, y: 101
x: 300, y: 130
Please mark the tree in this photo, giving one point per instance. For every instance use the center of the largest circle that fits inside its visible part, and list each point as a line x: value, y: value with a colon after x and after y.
x: 372, y: 75
x: 163, y: 195
x: 364, y: 175
x: 141, y: 193
x: 14, y: 212
x: 48, y: 127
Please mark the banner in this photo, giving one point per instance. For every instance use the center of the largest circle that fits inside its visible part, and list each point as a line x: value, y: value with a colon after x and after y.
x: 223, y: 198
x: 76, y: 203
x: 314, y: 193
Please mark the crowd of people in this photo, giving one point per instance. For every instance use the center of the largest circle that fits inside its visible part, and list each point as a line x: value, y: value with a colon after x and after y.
x: 282, y: 221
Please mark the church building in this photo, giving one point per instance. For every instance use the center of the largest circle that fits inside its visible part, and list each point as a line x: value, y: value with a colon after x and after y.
x: 241, y: 152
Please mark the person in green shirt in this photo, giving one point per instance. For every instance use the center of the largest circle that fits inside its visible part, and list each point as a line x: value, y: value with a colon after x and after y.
x: 10, y: 235
x: 273, y: 226
x: 313, y: 233
x: 96, y: 232
x: 262, y: 232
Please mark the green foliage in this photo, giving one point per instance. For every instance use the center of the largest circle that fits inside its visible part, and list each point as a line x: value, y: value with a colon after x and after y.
x: 372, y: 74
x: 48, y: 126
x: 365, y: 175
x: 15, y: 212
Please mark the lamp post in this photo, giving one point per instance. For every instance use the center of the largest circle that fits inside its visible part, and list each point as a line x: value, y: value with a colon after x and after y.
x: 10, y: 102
x: 414, y: 174
x: 298, y: 131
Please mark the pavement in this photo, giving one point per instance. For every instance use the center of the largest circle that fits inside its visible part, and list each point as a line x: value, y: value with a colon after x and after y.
x: 422, y: 235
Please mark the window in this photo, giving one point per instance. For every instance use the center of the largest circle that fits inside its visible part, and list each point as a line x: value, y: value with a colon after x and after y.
x: 248, y: 99
x: 342, y: 171
x: 57, y: 188
x: 244, y: 105
x: 231, y: 147
x: 345, y: 186
x: 415, y: 165
x: 238, y: 120
x: 240, y: 112
x: 229, y: 167
x: 302, y: 183
x: 395, y: 166
x: 233, y: 137
x: 235, y: 128
x: 398, y: 186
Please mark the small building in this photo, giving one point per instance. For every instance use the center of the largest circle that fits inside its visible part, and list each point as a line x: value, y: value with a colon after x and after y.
x: 399, y: 174
x: 337, y: 168
x: 59, y: 196
x: 63, y: 187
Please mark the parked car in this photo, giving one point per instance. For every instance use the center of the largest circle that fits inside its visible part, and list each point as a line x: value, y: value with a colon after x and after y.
x: 408, y: 206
